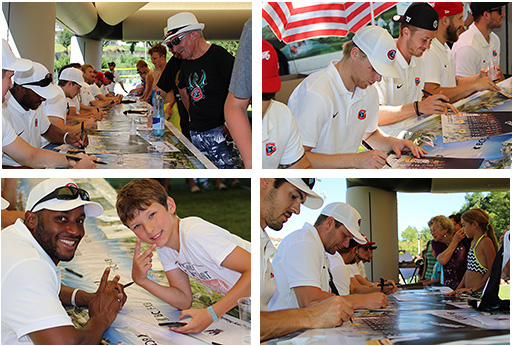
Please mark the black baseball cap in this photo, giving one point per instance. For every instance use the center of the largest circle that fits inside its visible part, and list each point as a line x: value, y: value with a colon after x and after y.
x: 478, y: 8
x: 421, y: 15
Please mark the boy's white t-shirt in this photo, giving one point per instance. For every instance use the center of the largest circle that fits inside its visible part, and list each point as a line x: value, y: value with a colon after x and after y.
x: 203, y: 247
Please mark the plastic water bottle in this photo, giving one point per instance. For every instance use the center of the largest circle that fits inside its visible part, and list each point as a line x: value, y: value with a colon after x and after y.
x: 158, y: 115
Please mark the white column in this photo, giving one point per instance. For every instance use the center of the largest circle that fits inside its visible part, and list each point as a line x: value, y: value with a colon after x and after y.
x: 32, y: 28
x: 378, y: 209
x: 86, y: 51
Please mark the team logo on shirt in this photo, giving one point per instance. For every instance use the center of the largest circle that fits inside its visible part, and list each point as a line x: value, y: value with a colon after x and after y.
x: 362, y: 114
x: 35, y: 123
x: 270, y: 148
x: 417, y: 81
x: 196, y: 84
x: 392, y: 54
x: 494, y: 53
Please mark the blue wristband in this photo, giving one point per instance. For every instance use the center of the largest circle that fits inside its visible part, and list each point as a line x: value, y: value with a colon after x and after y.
x: 213, y: 314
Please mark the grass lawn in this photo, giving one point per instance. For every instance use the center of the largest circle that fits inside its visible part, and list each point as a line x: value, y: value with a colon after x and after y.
x: 230, y: 209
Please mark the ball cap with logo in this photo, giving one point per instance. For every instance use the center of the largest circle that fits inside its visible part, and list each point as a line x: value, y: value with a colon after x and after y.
x: 48, y: 186
x: 12, y: 63
x: 478, y: 8
x: 313, y: 201
x: 379, y: 47
x: 420, y: 15
x: 368, y: 243
x: 447, y: 9
x: 181, y: 23
x: 37, y: 74
x: 348, y: 216
x: 271, y: 82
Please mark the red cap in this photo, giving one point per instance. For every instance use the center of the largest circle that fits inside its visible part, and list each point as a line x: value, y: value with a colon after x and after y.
x: 271, y: 82
x: 446, y: 9
x: 101, y: 77
x: 368, y: 243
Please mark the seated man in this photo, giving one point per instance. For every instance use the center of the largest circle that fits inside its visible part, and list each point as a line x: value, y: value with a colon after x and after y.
x: 57, y: 108
x: 439, y: 64
x: 282, y: 147
x: 87, y: 100
x: 33, y: 296
x: 22, y: 109
x: 337, y: 108
x: 301, y: 265
x: 99, y: 89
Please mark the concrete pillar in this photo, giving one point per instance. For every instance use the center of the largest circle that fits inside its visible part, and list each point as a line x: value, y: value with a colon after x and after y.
x: 86, y: 51
x: 32, y: 28
x: 378, y: 209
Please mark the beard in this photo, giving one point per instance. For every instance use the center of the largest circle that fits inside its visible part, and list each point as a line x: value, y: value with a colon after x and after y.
x: 452, y: 33
x: 48, y: 243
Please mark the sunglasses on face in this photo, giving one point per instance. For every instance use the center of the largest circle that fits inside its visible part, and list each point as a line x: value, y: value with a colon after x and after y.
x: 310, y: 182
x: 47, y: 80
x: 367, y: 247
x: 177, y: 40
x: 499, y: 10
x: 65, y: 193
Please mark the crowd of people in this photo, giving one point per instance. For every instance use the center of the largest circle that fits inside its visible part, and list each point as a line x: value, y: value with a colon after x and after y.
x: 316, y: 278
x: 211, y: 89
x: 381, y: 87
x: 49, y: 232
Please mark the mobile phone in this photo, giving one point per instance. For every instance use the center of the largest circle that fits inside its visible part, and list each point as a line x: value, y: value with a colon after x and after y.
x: 172, y: 324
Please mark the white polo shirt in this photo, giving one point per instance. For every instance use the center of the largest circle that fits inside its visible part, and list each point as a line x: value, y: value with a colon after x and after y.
x: 56, y: 107
x: 104, y: 89
x: 358, y: 269
x: 86, y: 96
x: 95, y: 90
x: 341, y: 274
x: 30, y: 287
x: 8, y: 134
x: 29, y: 125
x: 281, y: 137
x: 332, y: 119
x: 472, y: 52
x: 74, y: 102
x: 267, y: 282
x: 403, y: 90
x: 439, y: 65
x: 300, y: 260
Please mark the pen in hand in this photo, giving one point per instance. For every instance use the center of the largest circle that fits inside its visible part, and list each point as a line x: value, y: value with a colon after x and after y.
x: 368, y: 147
x: 82, y: 133
x: 74, y: 158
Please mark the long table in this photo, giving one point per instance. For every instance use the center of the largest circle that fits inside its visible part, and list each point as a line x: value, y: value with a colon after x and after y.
x: 120, y: 148
x: 486, y: 152
x: 108, y: 243
x: 423, y: 317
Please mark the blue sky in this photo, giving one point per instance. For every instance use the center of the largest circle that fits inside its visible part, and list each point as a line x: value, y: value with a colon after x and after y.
x: 414, y: 209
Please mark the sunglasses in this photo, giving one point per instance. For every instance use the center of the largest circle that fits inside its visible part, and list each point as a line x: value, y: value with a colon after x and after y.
x: 65, y: 193
x: 310, y: 182
x: 47, y: 80
x: 367, y: 247
x: 177, y: 40
x: 499, y: 10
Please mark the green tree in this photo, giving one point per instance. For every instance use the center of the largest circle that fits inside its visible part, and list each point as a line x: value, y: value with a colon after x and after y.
x: 64, y: 38
x: 63, y: 60
x: 409, y: 241
x: 495, y: 203
x: 230, y: 46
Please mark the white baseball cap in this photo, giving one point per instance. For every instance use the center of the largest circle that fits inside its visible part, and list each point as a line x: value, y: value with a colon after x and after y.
x: 379, y: 47
x: 12, y: 63
x: 348, y: 216
x: 5, y: 203
x: 313, y: 201
x: 180, y: 23
x: 46, y: 187
x: 74, y: 75
x: 37, y: 74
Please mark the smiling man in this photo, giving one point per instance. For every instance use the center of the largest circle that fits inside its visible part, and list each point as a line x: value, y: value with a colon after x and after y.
x: 337, y: 107
x: 32, y: 293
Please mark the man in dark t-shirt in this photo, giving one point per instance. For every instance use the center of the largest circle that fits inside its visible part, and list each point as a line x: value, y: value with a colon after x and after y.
x: 203, y: 82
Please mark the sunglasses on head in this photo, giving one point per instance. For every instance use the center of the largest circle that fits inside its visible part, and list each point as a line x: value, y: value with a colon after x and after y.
x: 47, y: 80
x: 499, y: 10
x: 65, y: 193
x: 177, y: 40
x: 310, y: 182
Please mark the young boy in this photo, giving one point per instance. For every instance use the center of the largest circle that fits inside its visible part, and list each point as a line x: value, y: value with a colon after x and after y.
x: 187, y: 247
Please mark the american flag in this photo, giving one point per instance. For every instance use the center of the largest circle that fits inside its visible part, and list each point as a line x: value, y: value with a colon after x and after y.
x: 298, y: 21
